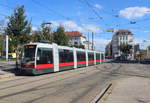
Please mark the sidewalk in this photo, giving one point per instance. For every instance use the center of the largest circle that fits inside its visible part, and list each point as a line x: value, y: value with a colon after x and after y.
x: 4, y: 75
x: 4, y: 65
x: 6, y: 62
x: 130, y: 90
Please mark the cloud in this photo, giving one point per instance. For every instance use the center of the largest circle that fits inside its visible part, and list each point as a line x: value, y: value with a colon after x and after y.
x: 100, y: 43
x: 34, y: 28
x: 134, y: 12
x: 91, y: 27
x: 73, y: 26
x: 69, y: 25
x: 98, y: 6
x: 142, y: 42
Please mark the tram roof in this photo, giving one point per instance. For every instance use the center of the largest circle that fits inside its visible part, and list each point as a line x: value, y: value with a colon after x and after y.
x: 46, y: 45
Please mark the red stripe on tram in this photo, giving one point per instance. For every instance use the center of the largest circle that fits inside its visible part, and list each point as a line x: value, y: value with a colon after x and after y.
x: 98, y: 60
x: 81, y: 62
x: 91, y: 61
x: 66, y: 64
x: 43, y: 66
x: 28, y: 66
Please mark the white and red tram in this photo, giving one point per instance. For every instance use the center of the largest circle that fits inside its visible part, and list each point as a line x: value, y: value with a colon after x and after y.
x: 39, y: 58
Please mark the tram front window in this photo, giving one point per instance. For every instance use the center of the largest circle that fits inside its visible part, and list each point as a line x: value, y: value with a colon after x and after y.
x: 29, y: 53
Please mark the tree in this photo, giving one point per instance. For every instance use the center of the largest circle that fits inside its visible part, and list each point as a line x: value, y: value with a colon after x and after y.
x: 36, y: 36
x: 60, y: 36
x: 18, y: 28
x: 46, y: 33
x: 125, y: 49
x: 43, y: 33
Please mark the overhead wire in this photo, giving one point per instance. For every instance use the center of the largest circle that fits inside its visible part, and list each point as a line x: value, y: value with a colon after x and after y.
x: 91, y: 7
x: 51, y: 10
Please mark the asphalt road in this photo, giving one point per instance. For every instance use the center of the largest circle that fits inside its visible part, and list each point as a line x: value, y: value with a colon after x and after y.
x: 73, y: 86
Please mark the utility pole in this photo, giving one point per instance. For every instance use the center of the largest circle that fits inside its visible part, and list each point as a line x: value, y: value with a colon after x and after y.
x: 92, y: 40
x: 88, y: 41
x: 6, y: 41
x: 133, y: 51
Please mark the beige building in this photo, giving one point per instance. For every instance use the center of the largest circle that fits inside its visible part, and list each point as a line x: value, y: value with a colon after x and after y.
x: 120, y: 36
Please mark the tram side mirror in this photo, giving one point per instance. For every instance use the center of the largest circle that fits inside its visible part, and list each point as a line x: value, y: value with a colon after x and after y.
x: 38, y: 58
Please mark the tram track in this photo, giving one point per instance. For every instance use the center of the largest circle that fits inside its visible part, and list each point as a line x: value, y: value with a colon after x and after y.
x: 38, y: 88
x: 80, y: 86
x: 90, y: 88
x: 43, y: 78
x: 35, y: 87
x: 24, y: 78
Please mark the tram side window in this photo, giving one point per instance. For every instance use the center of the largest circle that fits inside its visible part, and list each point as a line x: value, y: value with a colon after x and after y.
x: 97, y: 56
x: 65, y: 55
x: 44, y: 56
x: 81, y: 56
x: 90, y: 56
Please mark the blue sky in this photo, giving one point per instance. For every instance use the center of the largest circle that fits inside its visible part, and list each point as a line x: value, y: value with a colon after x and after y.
x: 87, y: 16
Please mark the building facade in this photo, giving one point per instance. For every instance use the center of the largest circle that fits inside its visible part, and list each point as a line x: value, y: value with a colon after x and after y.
x: 108, y: 50
x: 120, y: 37
x: 78, y: 40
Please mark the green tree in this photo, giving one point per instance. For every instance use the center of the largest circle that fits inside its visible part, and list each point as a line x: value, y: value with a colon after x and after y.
x: 60, y: 36
x: 125, y: 48
x: 36, y: 36
x: 46, y: 33
x: 18, y: 29
x: 43, y: 33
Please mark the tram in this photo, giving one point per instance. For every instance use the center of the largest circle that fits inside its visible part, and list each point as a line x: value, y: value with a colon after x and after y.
x: 39, y: 58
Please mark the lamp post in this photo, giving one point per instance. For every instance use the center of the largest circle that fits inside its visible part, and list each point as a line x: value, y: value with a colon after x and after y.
x: 6, y: 47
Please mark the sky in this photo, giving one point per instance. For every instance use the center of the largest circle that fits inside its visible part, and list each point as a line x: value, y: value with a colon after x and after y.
x: 87, y: 16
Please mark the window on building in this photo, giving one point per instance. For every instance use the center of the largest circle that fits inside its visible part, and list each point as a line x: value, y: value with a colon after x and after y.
x: 76, y: 43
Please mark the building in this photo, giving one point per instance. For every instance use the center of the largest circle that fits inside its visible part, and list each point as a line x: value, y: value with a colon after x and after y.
x: 120, y: 37
x: 108, y: 50
x: 144, y: 54
x: 148, y: 52
x: 78, y: 40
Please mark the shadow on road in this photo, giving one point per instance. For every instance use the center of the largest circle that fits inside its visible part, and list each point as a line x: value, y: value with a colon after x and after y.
x: 130, y: 61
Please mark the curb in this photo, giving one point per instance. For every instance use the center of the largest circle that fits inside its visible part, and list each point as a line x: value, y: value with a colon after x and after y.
x: 9, y: 75
x: 101, y: 94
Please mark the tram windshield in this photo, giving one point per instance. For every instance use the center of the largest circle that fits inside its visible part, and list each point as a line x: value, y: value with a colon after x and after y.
x: 29, y: 53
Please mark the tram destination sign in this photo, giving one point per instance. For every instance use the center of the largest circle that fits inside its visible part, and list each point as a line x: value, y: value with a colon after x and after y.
x: 30, y: 46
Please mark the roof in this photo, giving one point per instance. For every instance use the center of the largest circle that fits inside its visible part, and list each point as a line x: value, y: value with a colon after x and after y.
x: 74, y: 33
x: 123, y: 31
